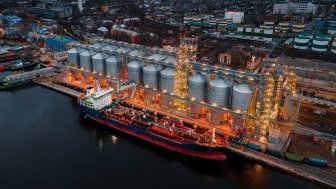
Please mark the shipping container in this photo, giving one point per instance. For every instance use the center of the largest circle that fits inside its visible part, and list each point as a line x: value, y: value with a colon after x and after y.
x: 318, y: 162
x: 294, y: 157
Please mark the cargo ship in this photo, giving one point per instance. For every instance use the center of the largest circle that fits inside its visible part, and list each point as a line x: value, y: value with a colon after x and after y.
x: 161, y: 130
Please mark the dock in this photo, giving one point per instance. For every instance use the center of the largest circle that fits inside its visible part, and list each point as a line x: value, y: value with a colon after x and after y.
x: 322, y: 176
x: 45, y: 82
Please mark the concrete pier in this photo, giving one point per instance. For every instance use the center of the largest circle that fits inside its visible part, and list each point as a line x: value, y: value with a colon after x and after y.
x: 59, y: 88
x: 322, y: 176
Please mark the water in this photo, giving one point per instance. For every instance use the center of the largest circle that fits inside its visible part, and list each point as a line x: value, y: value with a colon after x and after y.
x: 45, y: 143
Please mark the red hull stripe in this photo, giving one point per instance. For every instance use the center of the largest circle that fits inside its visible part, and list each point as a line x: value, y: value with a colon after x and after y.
x: 207, y: 155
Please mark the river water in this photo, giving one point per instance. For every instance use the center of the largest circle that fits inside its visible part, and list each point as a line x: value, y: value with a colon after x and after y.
x: 46, y: 143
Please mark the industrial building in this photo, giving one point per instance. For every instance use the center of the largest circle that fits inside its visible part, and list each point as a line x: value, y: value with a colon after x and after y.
x: 240, y: 58
x: 178, y: 84
x: 59, y: 46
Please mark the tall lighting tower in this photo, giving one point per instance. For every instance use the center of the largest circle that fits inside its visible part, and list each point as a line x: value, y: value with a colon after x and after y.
x: 187, y: 53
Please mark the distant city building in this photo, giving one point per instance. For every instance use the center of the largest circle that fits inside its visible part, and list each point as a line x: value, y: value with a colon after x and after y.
x: 281, y: 8
x: 239, y: 58
x: 332, y: 27
x: 129, y: 35
x: 12, y: 24
x: 296, y: 8
x: 54, y: 9
x: 235, y: 17
x: 299, y: 23
x: 299, y: 19
x: 12, y: 20
x: 224, y: 58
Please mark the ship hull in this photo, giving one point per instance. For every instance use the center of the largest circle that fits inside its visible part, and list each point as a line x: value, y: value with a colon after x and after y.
x: 194, y: 150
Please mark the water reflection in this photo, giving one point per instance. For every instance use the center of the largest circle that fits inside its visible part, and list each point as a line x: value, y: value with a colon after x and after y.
x: 114, y: 139
x: 99, y: 132
x: 244, y: 172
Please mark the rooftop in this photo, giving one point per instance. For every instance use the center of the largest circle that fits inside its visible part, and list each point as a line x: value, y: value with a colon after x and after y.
x: 61, y: 40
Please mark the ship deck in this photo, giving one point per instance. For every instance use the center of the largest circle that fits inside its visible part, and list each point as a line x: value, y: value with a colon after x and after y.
x: 167, y: 127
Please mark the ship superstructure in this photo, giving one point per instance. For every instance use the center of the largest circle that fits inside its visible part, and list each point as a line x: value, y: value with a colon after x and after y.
x: 97, y: 100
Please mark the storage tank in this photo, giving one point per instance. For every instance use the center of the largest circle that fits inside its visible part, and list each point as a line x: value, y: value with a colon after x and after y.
x: 124, y: 50
x: 170, y: 60
x: 134, y: 71
x: 73, y: 57
x: 197, y: 87
x: 240, y: 30
x: 167, y: 78
x: 98, y: 64
x: 113, y: 66
x: 256, y: 33
x: 136, y: 53
x: 333, y: 46
x: 301, y: 42
x: 85, y: 60
x: 321, y: 43
x: 197, y: 92
x: 151, y: 76
x: 241, y: 96
x: 219, y: 92
x: 248, y: 31
x: 268, y: 34
x: 111, y: 48
x: 98, y: 45
x: 157, y: 57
